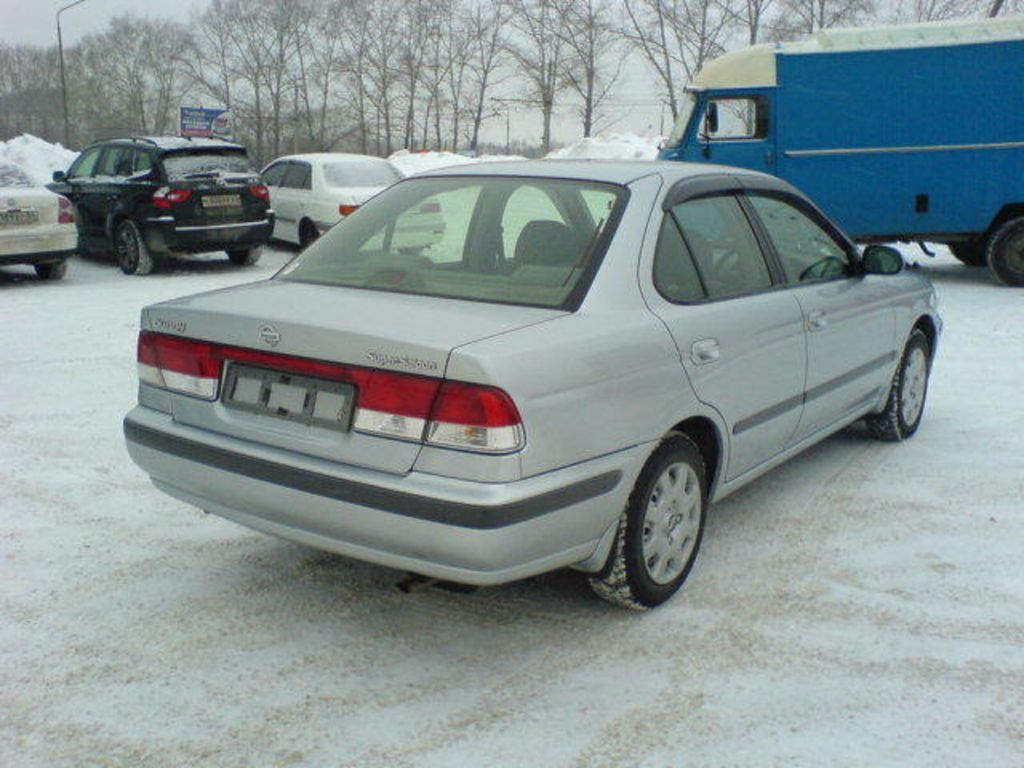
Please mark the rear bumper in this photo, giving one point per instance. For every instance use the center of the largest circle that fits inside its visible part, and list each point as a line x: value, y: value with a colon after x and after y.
x: 457, y: 530
x: 37, y: 257
x: 162, y: 234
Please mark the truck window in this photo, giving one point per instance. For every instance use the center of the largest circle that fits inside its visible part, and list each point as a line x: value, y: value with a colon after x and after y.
x: 736, y: 118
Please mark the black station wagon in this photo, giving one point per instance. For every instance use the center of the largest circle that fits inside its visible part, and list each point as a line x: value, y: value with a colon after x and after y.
x: 147, y: 199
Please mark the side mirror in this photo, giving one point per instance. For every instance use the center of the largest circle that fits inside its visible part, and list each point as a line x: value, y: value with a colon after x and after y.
x: 711, y: 119
x: 60, y: 176
x: 882, y: 260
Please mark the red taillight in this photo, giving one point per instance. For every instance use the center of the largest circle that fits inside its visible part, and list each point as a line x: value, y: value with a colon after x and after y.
x: 260, y: 191
x: 475, y: 418
x: 65, y: 211
x: 166, y: 198
x: 183, y: 365
x: 430, y: 208
x: 346, y: 210
x: 449, y: 414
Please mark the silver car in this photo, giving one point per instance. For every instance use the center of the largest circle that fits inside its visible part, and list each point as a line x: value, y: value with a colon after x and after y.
x: 590, y: 355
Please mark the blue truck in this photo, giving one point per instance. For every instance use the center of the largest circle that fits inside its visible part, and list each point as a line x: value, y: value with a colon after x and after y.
x: 912, y: 133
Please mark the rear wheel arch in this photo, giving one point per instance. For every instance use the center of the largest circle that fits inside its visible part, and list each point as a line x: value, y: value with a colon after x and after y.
x: 706, y: 436
x: 1006, y: 213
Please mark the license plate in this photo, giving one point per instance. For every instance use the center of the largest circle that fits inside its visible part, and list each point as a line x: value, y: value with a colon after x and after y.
x: 222, y: 201
x: 18, y: 217
x: 307, y: 400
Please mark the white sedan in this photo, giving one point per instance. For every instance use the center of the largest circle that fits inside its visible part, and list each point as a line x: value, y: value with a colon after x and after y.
x: 37, y: 227
x: 310, y: 193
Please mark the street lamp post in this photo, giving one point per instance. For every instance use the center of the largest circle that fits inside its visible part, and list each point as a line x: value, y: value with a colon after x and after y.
x: 63, y: 79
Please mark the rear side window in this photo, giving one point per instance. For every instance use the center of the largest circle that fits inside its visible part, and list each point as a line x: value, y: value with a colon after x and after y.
x: 183, y: 165
x: 297, y: 176
x: 726, y: 253
x: 807, y: 251
x: 503, y: 240
x: 675, y: 275
x: 116, y: 161
x: 143, y: 163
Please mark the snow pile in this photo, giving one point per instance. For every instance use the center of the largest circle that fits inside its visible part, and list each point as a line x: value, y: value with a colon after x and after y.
x: 417, y: 162
x: 614, y: 146
x: 36, y: 158
x: 410, y: 163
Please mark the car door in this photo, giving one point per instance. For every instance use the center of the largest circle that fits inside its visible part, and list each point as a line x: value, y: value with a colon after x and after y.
x: 79, y: 184
x: 273, y: 175
x: 114, y: 166
x: 297, y: 194
x: 849, y: 317
x: 740, y: 338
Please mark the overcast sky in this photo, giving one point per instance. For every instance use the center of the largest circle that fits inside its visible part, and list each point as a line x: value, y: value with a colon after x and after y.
x: 633, y: 108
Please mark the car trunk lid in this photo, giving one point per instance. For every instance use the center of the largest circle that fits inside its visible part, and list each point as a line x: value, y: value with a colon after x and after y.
x: 410, y: 335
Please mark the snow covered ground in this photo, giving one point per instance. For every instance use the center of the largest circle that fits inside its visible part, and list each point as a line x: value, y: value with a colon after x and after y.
x: 863, y: 605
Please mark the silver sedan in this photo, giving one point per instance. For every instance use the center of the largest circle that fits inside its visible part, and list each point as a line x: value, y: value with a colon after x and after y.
x: 589, y: 355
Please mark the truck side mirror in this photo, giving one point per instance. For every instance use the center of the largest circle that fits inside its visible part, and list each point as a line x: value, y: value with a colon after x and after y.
x: 711, y: 119
x: 882, y: 260
x: 59, y: 176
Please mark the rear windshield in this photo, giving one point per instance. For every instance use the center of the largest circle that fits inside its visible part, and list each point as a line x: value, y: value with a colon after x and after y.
x: 13, y: 176
x: 528, y: 241
x: 360, y: 173
x: 181, y: 165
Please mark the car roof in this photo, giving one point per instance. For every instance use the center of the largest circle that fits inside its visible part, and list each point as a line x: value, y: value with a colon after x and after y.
x: 324, y: 157
x: 608, y: 171
x: 172, y: 143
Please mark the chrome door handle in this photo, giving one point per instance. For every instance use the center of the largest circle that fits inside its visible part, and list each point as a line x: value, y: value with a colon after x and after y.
x: 705, y: 351
x: 816, y: 321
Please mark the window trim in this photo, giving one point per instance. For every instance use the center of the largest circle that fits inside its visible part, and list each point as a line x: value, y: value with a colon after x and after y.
x: 706, y: 191
x: 761, y: 101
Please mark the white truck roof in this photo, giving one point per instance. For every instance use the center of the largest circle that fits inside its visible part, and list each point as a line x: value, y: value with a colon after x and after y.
x: 754, y: 67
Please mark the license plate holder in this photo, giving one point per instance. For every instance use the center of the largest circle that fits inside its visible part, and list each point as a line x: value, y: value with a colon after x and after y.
x: 220, y: 202
x: 18, y: 217
x: 282, y: 395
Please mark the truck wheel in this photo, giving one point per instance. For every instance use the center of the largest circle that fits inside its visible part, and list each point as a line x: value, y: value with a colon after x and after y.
x: 246, y: 257
x: 53, y: 271
x: 905, y: 406
x: 659, y: 531
x: 1006, y: 253
x: 970, y: 252
x: 133, y: 256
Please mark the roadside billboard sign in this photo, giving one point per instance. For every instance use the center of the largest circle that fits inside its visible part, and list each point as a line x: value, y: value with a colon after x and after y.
x: 208, y: 123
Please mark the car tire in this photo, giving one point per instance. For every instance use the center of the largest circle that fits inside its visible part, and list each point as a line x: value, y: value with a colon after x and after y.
x: 307, y: 233
x: 905, y: 406
x: 246, y: 257
x: 970, y: 252
x: 1006, y: 253
x: 660, y: 530
x: 133, y: 256
x: 52, y: 271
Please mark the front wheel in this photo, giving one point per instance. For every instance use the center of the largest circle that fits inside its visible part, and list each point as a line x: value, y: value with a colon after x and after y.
x: 905, y: 406
x: 660, y: 530
x: 1006, y: 253
x: 53, y: 271
x: 246, y: 257
x: 133, y: 256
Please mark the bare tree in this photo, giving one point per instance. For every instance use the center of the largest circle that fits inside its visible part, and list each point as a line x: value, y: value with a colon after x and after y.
x: 677, y: 37
x: 804, y: 17
x: 593, y: 64
x: 485, y: 29
x: 539, y: 52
